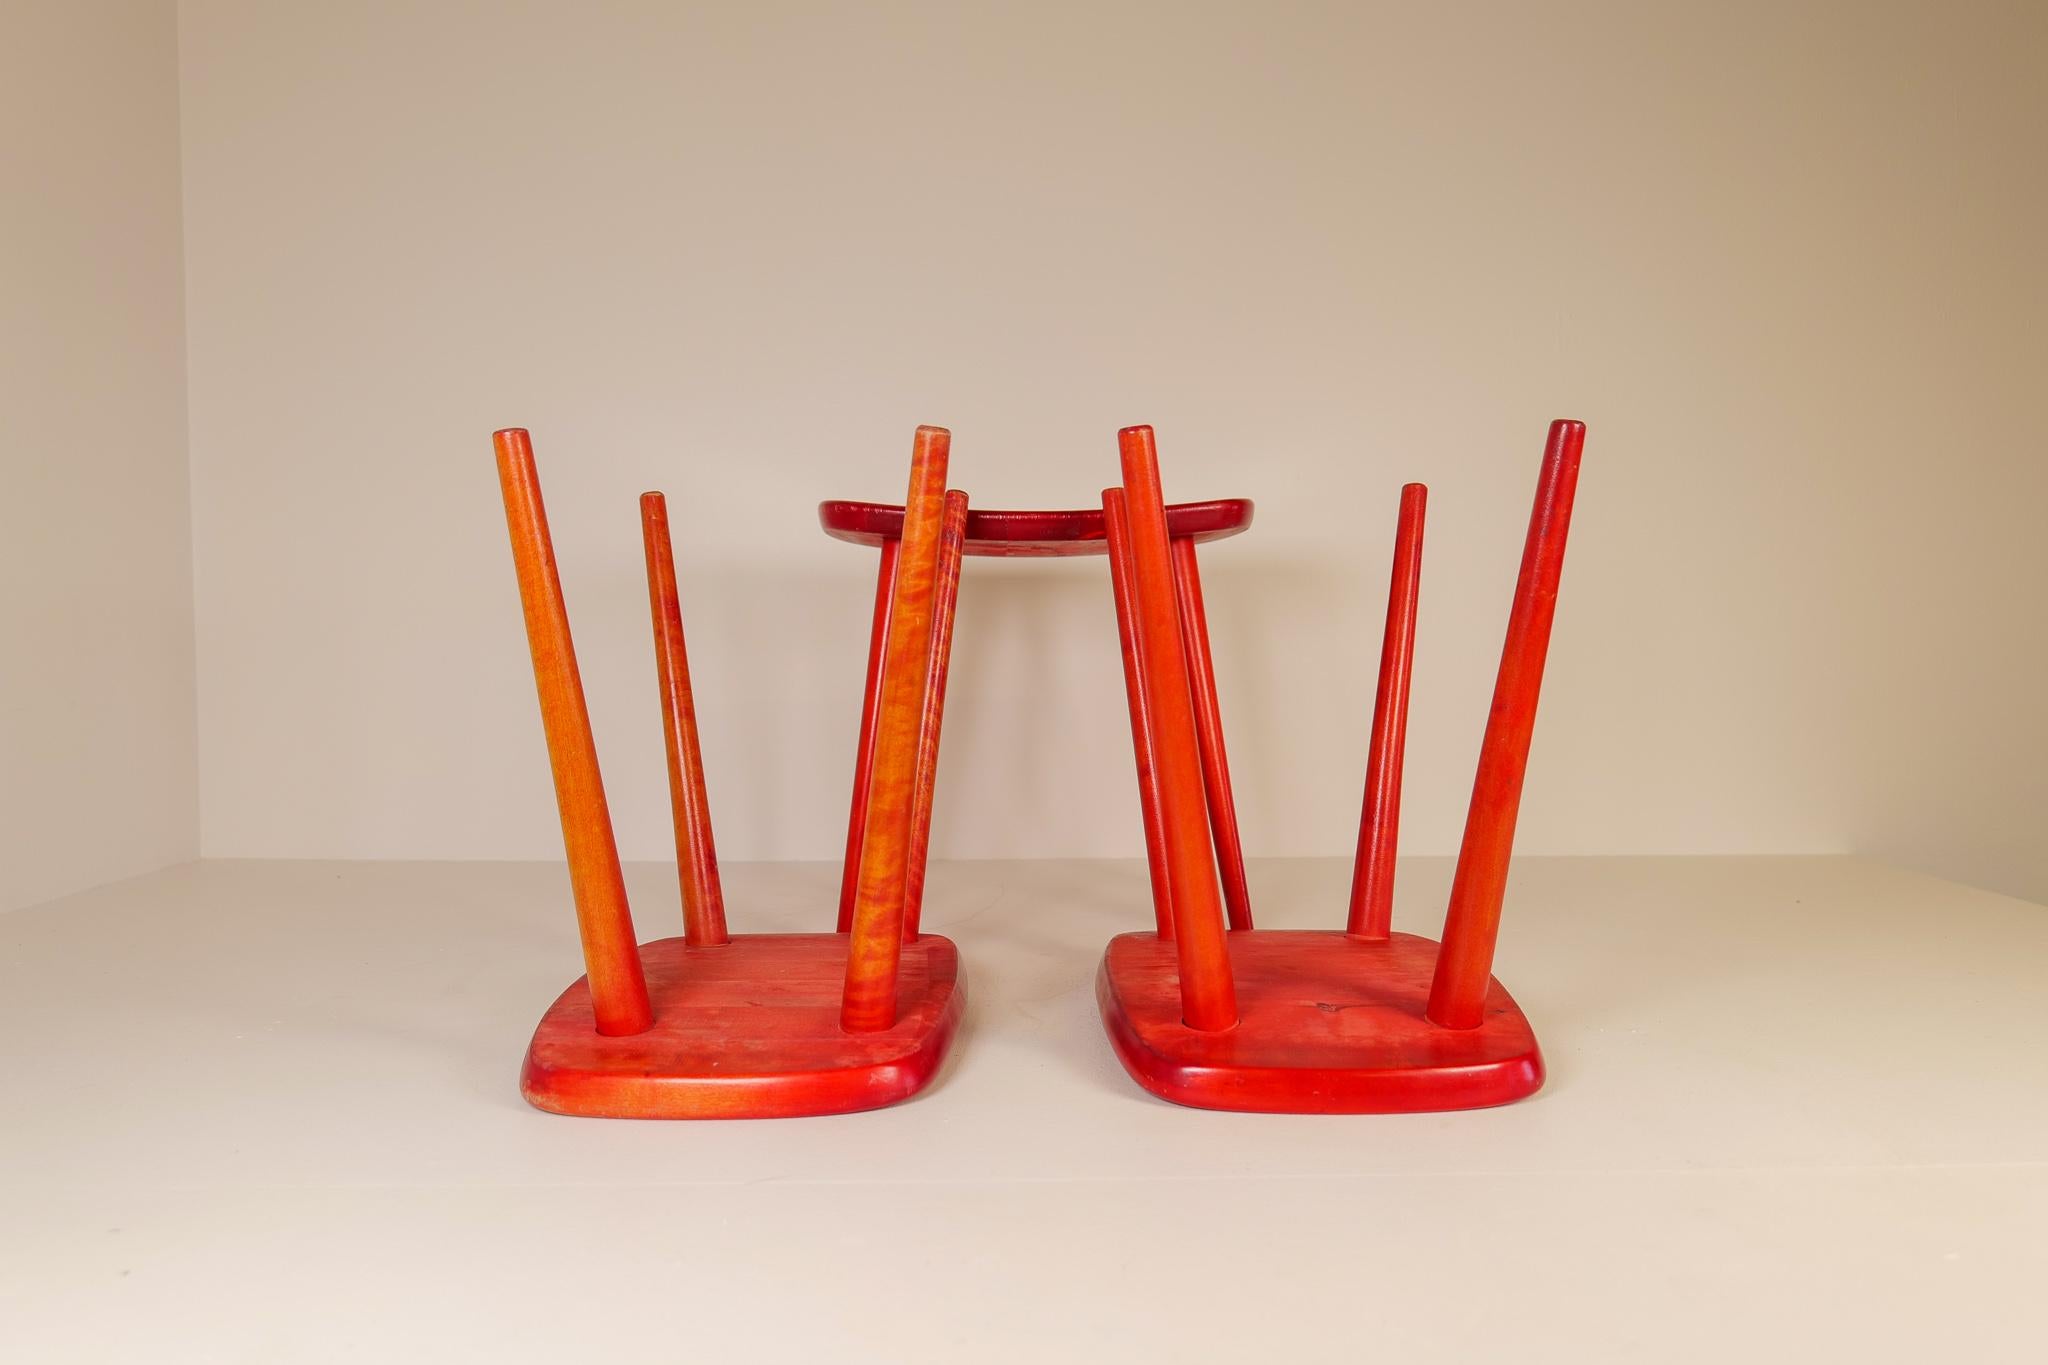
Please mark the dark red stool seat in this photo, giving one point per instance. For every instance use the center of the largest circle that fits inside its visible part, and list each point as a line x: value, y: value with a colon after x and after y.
x: 1034, y: 535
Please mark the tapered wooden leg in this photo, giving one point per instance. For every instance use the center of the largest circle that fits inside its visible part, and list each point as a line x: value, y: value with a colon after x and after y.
x: 618, y: 990
x: 870, y: 712
x: 1379, y: 824
x: 945, y: 597
x: 690, y: 805
x: 1464, y: 966
x: 869, y: 1003
x: 1116, y: 527
x: 1201, y: 666
x: 1208, y: 997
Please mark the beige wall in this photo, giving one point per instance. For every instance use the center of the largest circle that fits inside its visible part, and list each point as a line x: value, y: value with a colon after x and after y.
x: 97, y: 751
x: 1785, y: 261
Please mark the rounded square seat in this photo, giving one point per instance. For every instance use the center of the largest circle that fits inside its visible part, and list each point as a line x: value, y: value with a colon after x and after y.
x: 1327, y: 1024
x: 748, y: 1029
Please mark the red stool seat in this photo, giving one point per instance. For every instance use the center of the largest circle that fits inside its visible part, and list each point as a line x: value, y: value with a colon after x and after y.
x: 716, y: 1051
x: 1313, y: 1006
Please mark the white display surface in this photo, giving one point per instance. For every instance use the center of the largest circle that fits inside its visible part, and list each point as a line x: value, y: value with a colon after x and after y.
x: 1798, y: 1109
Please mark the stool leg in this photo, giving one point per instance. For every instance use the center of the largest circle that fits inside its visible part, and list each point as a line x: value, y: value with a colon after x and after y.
x: 864, y: 757
x: 1201, y: 667
x: 1116, y: 529
x: 873, y: 953
x: 1464, y: 965
x: 689, y: 803
x: 945, y: 597
x: 611, y: 956
x: 1379, y: 823
x: 1207, y: 993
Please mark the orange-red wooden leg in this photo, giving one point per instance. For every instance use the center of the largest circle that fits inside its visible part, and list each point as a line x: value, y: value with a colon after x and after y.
x: 1379, y: 823
x: 1116, y: 529
x: 1464, y: 966
x: 618, y: 990
x: 1208, y: 997
x: 876, y: 944
x: 945, y: 597
x: 870, y: 713
x: 1201, y: 666
x: 689, y: 803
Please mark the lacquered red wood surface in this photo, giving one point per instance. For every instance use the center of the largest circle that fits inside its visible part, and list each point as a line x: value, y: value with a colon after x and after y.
x: 870, y: 714
x: 604, y: 921
x: 1117, y: 524
x: 1201, y: 666
x: 1364, y: 1021
x: 758, y: 1025
x: 877, y: 937
x: 748, y: 1030
x: 689, y: 803
x: 1379, y: 823
x: 1472, y: 922
x: 1329, y: 1024
x: 945, y: 597
x: 1032, y: 535
x: 1207, y: 1000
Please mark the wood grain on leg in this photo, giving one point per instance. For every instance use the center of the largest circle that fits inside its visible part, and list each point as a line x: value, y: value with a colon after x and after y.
x: 689, y: 803
x: 1201, y: 666
x: 617, y: 988
x: 1208, y: 999
x: 945, y: 597
x: 1464, y: 967
x: 1379, y: 823
x: 870, y: 712
x: 877, y: 936
x: 1116, y: 525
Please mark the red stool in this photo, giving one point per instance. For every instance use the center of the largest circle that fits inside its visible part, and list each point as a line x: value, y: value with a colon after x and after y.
x: 717, y: 1025
x: 1291, y: 1021
x: 1045, y: 535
